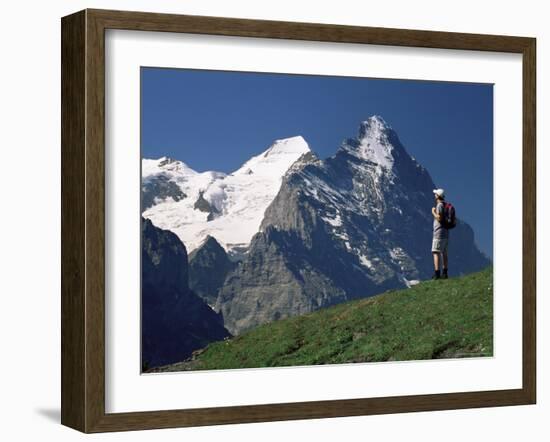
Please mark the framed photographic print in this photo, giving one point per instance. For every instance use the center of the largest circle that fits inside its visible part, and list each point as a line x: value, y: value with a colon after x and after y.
x: 269, y: 220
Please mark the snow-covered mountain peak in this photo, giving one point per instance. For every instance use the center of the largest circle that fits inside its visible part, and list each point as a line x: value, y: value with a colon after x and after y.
x: 167, y: 166
x: 374, y: 126
x: 373, y: 143
x: 229, y: 208
x: 291, y: 145
x: 275, y: 160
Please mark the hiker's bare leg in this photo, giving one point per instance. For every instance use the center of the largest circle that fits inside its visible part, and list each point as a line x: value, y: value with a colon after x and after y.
x: 445, y: 260
x: 436, y: 260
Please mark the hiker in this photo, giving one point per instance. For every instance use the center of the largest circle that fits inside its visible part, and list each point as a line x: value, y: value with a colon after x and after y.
x: 440, y: 239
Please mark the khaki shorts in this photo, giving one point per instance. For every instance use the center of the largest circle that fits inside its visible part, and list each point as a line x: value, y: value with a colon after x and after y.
x: 439, y: 245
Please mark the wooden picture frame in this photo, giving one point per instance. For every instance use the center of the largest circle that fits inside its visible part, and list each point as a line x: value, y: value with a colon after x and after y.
x: 83, y: 220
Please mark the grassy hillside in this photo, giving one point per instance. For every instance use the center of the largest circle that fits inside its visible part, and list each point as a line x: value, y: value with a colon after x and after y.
x: 435, y: 319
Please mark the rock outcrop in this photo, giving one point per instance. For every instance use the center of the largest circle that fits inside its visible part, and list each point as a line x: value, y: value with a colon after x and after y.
x: 175, y: 321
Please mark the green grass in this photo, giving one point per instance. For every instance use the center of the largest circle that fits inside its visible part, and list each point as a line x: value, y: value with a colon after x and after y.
x: 435, y: 319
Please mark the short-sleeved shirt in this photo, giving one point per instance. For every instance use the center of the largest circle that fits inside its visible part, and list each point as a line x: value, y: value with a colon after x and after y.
x: 440, y: 231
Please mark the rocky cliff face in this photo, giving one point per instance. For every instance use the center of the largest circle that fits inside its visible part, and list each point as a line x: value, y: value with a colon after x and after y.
x: 347, y: 227
x: 159, y: 188
x: 175, y: 321
x: 208, y: 268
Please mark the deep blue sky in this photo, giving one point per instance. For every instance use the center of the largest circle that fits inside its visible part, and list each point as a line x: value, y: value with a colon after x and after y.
x: 215, y: 120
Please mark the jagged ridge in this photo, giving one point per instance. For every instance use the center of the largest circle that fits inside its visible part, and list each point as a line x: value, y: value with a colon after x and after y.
x: 339, y: 229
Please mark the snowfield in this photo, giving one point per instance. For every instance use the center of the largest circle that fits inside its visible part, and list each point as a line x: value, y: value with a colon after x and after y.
x: 235, y: 203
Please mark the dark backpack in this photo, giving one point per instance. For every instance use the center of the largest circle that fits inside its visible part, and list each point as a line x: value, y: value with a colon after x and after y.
x: 449, y: 216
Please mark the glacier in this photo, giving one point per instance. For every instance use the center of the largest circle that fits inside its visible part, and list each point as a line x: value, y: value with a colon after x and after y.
x: 230, y: 206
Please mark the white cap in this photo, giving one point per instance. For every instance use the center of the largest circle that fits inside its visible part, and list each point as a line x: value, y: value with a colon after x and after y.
x: 439, y: 192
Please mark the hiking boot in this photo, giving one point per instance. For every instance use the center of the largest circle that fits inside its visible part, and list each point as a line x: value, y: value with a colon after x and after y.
x: 436, y: 275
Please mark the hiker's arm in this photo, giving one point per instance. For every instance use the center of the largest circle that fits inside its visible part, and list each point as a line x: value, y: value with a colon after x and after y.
x: 436, y: 215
